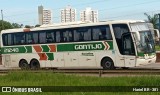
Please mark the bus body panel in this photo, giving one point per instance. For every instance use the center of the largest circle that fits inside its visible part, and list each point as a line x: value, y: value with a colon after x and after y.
x: 72, y: 54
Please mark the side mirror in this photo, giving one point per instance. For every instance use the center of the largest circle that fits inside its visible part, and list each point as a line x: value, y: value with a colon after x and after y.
x: 156, y: 32
x: 136, y: 35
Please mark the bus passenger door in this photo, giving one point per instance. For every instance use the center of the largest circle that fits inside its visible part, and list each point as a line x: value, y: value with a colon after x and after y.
x: 128, y: 50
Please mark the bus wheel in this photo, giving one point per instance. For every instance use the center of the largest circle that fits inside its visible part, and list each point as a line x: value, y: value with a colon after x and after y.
x: 107, y: 64
x: 23, y: 64
x: 34, y: 64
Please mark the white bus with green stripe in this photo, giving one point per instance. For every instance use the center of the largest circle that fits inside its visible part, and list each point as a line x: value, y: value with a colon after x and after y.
x: 110, y: 44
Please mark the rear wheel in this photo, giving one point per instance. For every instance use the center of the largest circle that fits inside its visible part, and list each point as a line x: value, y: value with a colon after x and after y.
x: 34, y: 64
x: 23, y: 64
x: 107, y: 64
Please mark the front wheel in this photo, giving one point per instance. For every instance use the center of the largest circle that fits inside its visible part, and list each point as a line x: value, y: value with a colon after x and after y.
x: 108, y: 64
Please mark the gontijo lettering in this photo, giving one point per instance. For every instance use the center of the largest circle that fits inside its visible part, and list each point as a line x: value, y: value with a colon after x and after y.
x: 88, y: 47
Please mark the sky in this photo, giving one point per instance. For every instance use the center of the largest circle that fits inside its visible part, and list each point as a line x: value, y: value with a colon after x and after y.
x: 26, y: 11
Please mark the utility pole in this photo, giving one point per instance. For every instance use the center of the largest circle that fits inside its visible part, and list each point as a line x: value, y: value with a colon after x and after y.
x: 2, y: 19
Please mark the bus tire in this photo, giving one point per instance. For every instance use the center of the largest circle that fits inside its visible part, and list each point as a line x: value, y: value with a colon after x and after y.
x: 23, y: 64
x: 107, y: 64
x: 34, y: 64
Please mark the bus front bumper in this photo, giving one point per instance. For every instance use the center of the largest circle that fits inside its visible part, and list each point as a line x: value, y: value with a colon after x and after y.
x: 143, y: 61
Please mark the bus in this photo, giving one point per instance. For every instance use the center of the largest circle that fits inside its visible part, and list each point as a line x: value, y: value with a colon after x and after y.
x: 105, y: 44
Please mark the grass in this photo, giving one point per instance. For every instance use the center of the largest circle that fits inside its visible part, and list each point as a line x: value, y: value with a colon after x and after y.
x: 53, y: 79
x: 157, y: 47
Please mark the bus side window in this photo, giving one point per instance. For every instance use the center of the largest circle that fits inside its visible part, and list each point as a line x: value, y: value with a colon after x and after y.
x: 96, y: 33
x: 58, y: 37
x: 101, y: 33
x: 19, y: 38
x: 119, y: 30
x: 29, y: 38
x: 42, y: 37
x: 10, y: 41
x: 32, y: 38
x: 84, y: 34
x: 70, y: 34
x: 5, y: 39
x: 49, y: 37
x: 35, y: 38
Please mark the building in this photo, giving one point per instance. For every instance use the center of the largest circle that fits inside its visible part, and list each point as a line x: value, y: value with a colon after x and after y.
x: 68, y: 14
x: 89, y: 15
x: 40, y: 15
x: 45, y: 16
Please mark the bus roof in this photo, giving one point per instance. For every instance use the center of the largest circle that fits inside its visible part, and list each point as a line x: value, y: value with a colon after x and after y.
x: 69, y: 25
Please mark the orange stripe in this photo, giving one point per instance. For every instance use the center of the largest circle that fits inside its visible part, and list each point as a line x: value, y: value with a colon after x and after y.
x: 42, y: 56
x: 52, y: 48
x: 106, y: 48
x: 38, y: 48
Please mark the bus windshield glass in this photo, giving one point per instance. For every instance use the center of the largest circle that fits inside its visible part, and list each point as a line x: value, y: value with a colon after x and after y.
x: 146, y: 43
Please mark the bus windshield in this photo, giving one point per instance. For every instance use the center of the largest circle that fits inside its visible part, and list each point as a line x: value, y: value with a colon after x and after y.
x: 146, y: 43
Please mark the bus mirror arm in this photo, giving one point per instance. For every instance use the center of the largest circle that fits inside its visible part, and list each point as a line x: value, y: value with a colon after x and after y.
x: 157, y: 33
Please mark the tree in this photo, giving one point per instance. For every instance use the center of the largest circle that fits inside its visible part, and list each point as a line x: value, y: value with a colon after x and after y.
x: 5, y: 25
x: 153, y: 19
x: 16, y: 25
x: 28, y: 26
x: 37, y: 25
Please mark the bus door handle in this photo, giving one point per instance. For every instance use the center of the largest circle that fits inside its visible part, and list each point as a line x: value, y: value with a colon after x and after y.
x: 88, y: 59
x: 121, y: 59
x: 73, y: 59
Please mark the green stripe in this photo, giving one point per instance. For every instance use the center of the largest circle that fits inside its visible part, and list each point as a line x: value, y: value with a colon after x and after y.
x: 22, y: 49
x: 83, y: 46
x: 50, y: 56
x: 60, y: 47
x: 29, y: 49
x: 45, y: 48
x: 110, y: 44
x: 142, y: 54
